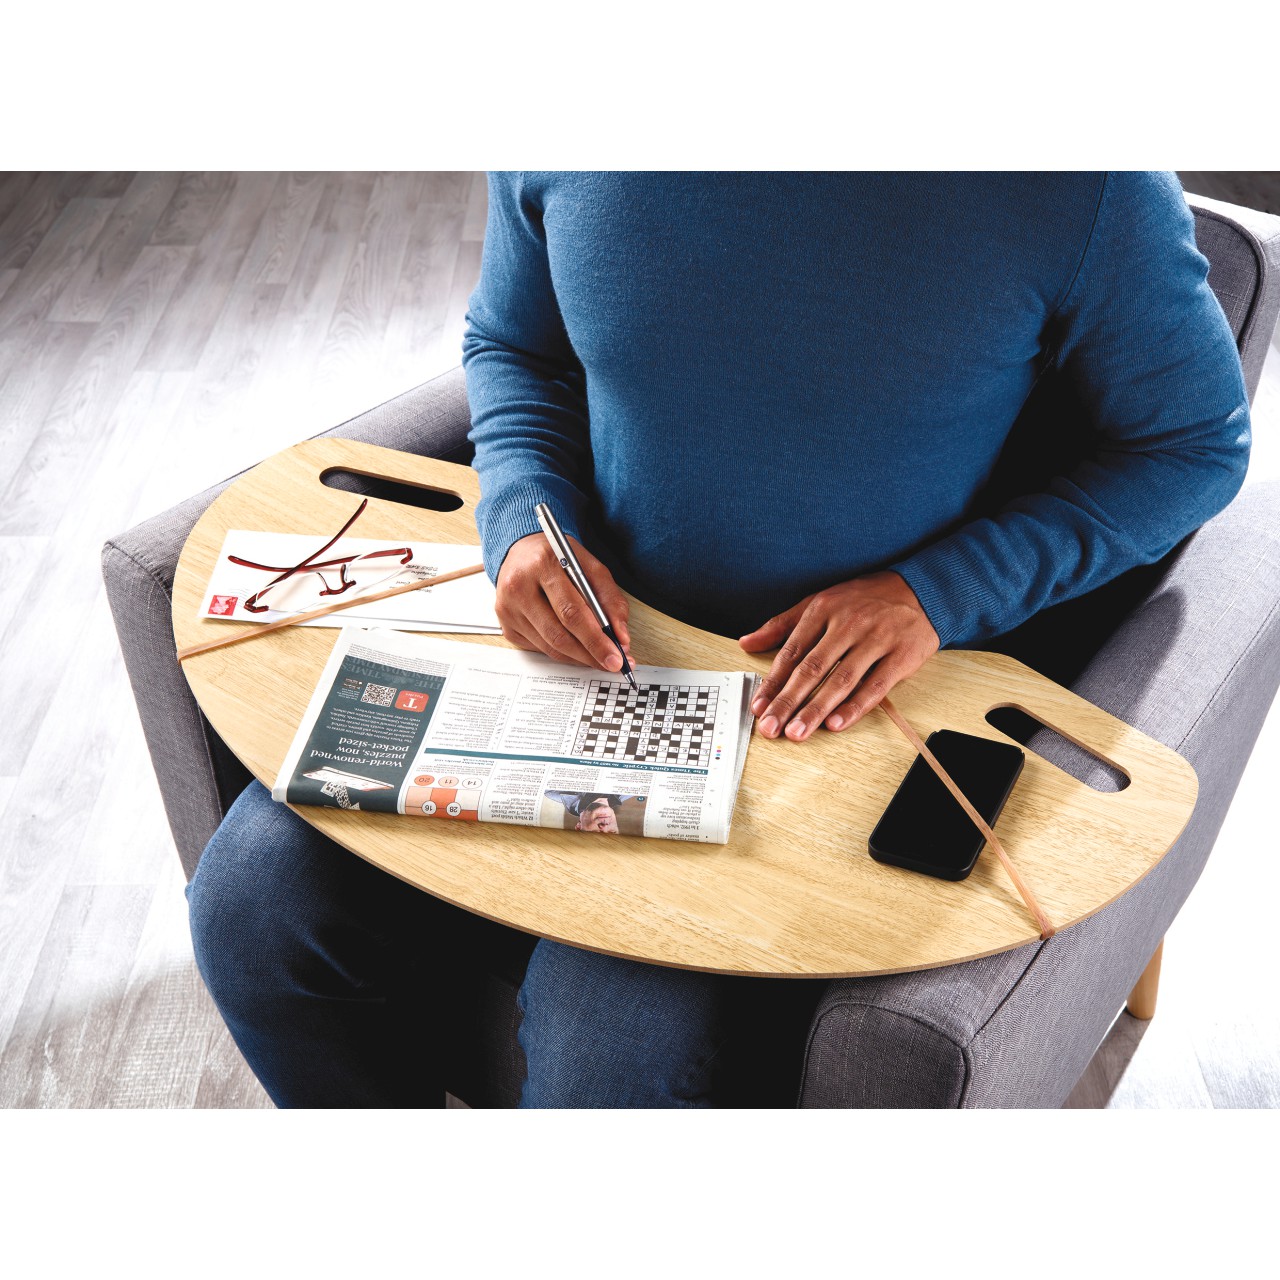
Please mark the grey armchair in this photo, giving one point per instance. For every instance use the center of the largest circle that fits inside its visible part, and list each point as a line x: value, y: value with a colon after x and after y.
x: 1187, y: 650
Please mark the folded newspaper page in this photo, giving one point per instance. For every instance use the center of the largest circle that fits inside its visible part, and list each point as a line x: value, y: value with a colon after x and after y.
x: 467, y: 732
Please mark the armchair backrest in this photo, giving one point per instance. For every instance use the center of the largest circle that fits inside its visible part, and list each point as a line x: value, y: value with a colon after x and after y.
x: 1243, y: 248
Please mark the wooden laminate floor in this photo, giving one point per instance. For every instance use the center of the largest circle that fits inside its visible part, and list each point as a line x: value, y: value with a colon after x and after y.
x: 161, y: 331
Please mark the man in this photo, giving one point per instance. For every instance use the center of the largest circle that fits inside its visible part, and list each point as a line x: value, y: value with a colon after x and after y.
x: 591, y: 812
x: 777, y: 406
x: 598, y: 815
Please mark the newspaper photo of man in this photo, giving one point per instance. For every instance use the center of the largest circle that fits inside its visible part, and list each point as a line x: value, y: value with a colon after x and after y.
x: 601, y: 812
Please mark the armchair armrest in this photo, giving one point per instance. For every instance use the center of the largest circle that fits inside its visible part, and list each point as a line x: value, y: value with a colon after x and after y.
x: 1195, y: 665
x: 198, y: 776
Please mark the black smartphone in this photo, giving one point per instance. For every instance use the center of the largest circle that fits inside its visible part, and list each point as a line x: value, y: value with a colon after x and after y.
x: 924, y: 828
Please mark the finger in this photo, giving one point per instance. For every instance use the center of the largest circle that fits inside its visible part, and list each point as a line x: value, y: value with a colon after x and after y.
x: 796, y: 650
x: 775, y: 631
x: 578, y: 618
x: 515, y: 629
x: 525, y: 610
x: 841, y: 684
x: 569, y: 623
x: 807, y: 673
x: 519, y: 639
x: 543, y: 624
x: 520, y: 600
x: 889, y: 671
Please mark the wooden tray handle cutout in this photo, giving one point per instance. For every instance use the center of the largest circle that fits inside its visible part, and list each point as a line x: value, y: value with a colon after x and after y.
x: 321, y: 458
x: 1021, y: 725
x: 422, y: 497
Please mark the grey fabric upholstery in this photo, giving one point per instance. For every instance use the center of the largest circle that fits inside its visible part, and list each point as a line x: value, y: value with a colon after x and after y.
x: 1243, y: 248
x: 1189, y: 651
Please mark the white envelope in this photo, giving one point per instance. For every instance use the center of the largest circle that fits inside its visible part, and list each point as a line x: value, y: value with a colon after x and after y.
x: 462, y: 607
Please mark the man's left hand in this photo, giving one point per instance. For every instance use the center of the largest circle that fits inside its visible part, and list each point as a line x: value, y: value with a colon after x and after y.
x: 842, y: 650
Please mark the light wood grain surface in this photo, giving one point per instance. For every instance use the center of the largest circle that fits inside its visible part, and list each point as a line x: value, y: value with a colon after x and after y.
x: 794, y: 891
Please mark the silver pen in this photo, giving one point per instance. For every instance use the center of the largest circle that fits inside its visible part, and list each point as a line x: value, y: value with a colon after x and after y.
x: 569, y: 563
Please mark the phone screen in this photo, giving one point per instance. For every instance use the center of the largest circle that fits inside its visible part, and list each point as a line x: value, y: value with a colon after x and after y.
x: 924, y: 828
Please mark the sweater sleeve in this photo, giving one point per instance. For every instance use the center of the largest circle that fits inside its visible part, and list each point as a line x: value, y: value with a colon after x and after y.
x: 526, y: 386
x: 1144, y: 341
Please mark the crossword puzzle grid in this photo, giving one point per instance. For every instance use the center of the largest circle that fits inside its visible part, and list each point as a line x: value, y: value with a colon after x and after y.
x: 653, y: 724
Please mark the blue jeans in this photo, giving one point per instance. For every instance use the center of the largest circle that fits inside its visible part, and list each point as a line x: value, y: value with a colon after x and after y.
x: 334, y: 979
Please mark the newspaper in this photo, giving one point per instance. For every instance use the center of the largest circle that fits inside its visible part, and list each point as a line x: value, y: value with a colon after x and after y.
x: 463, y: 606
x: 449, y: 730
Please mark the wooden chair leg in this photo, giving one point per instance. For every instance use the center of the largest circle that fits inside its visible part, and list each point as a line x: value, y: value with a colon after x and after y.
x: 1142, y: 999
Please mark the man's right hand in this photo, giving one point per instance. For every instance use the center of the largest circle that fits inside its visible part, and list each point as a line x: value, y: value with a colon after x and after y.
x: 540, y: 608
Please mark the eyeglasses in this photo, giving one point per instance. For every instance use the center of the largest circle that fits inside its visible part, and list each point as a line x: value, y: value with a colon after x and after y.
x: 303, y: 583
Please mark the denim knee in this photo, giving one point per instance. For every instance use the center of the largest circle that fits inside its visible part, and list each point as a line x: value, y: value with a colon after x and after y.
x: 599, y: 1031
x: 257, y: 900
x: 317, y: 961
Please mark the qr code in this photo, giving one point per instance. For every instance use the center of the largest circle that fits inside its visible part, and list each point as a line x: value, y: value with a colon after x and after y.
x: 381, y: 695
x: 340, y: 794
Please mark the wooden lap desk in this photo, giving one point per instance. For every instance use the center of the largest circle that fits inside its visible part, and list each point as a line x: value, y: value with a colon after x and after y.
x: 794, y: 892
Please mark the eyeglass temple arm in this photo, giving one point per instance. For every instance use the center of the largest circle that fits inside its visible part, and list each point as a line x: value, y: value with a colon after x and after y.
x: 405, y: 554
x: 306, y: 564
x: 251, y: 603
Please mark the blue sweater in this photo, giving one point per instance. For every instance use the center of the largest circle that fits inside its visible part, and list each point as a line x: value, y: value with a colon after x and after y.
x: 738, y: 388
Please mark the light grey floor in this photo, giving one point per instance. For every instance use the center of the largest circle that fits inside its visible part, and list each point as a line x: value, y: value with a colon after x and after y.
x: 159, y: 332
